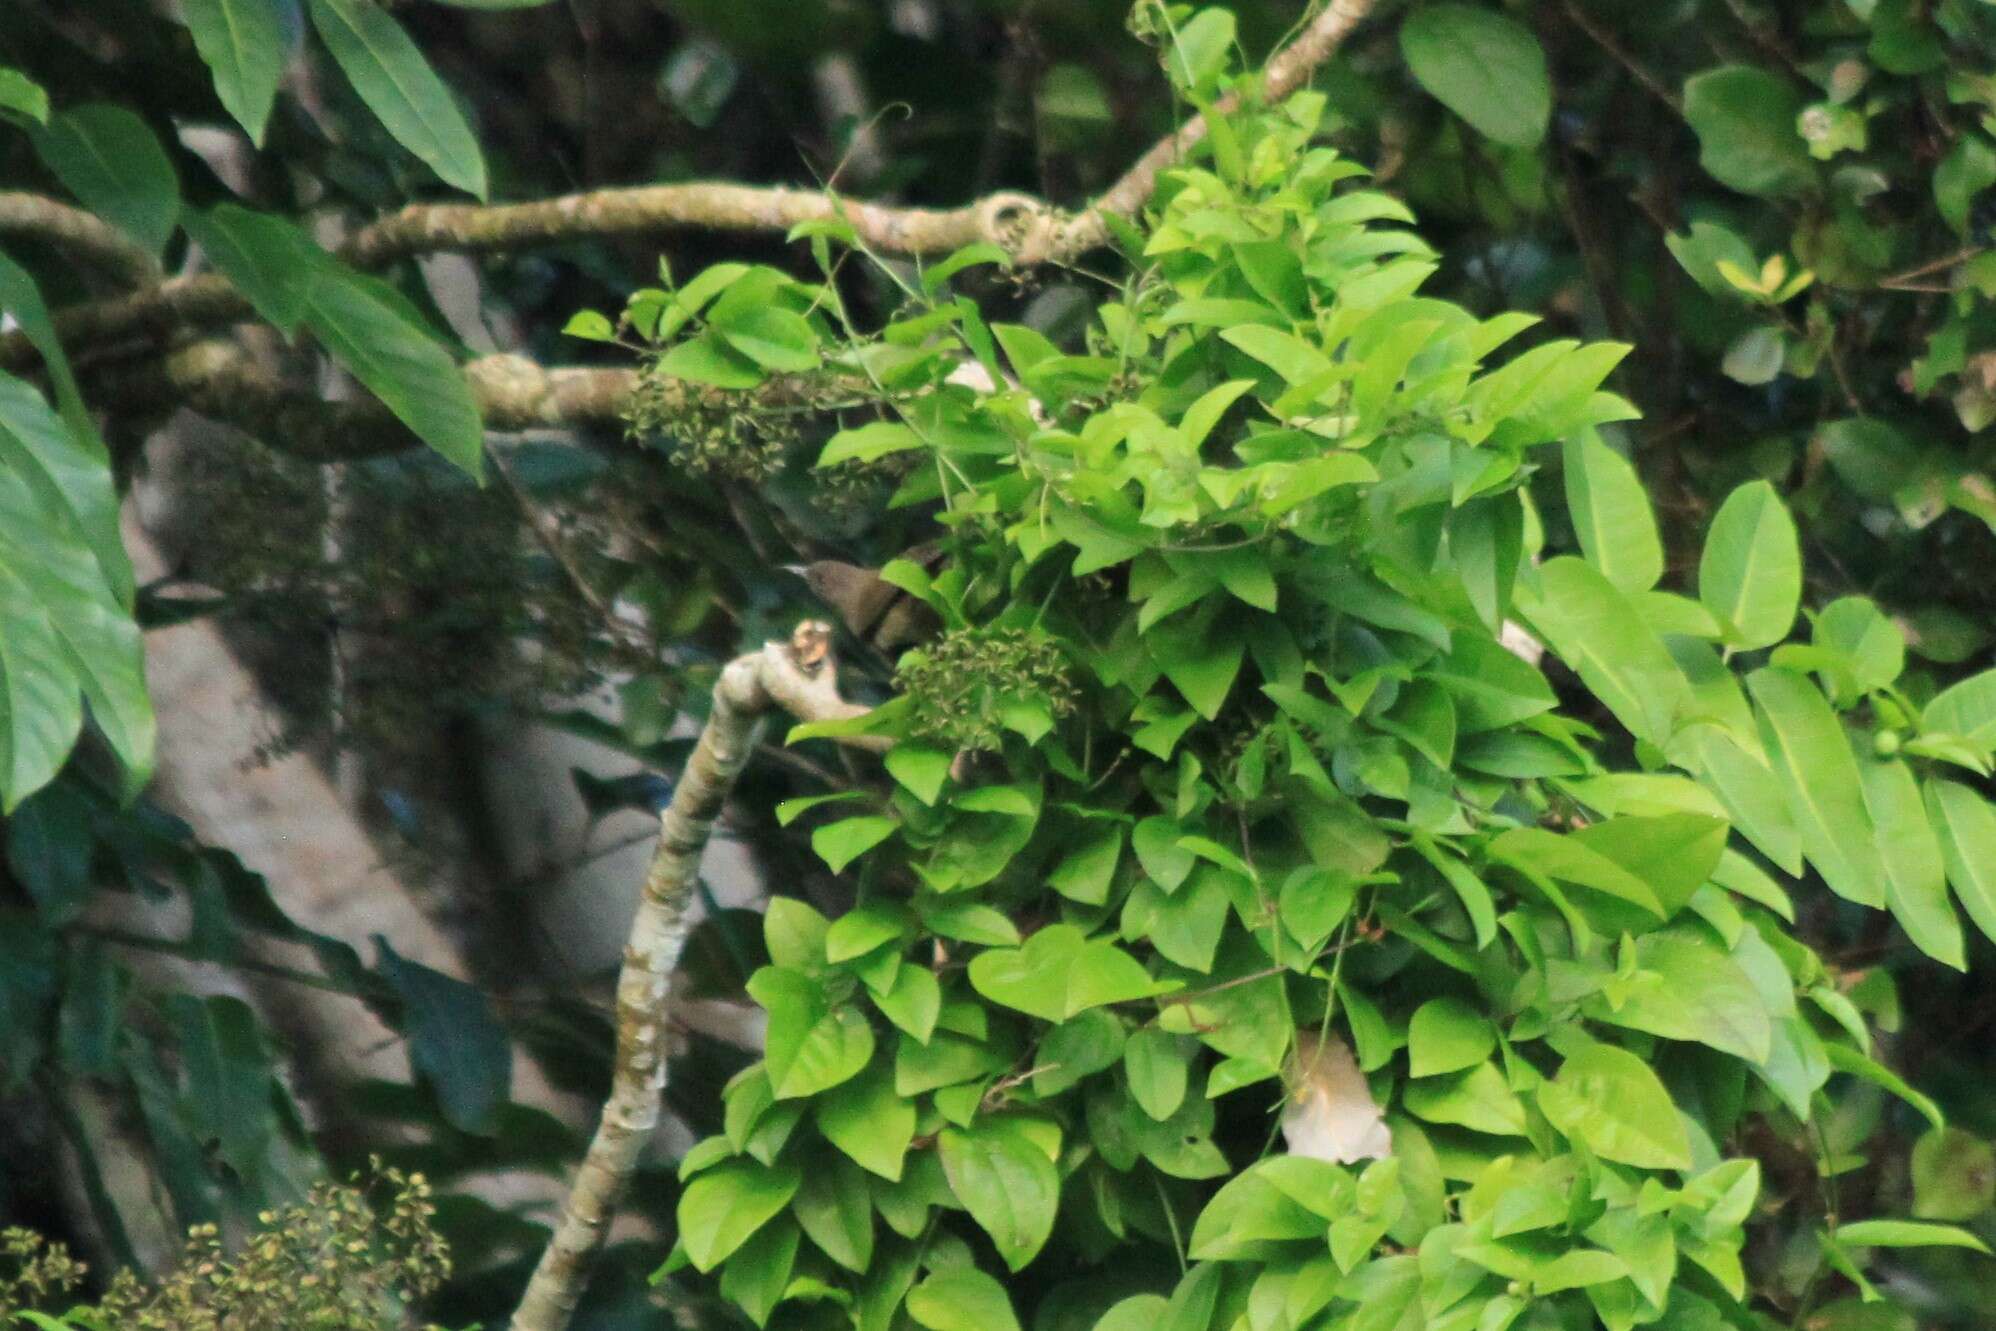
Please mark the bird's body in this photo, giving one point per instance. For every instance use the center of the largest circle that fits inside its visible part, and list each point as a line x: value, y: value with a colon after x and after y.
x: 874, y: 610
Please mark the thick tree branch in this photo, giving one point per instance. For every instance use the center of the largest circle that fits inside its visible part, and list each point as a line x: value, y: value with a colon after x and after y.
x: 83, y: 234
x: 797, y: 677
x: 1030, y: 229
x: 224, y: 381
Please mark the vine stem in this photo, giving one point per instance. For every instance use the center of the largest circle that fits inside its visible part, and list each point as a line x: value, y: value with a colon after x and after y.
x: 798, y: 677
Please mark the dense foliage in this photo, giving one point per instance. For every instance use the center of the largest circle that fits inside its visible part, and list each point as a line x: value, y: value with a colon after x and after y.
x: 1233, y: 830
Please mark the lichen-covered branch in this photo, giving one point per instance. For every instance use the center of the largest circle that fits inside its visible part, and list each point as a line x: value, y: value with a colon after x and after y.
x: 84, y: 234
x: 797, y: 677
x: 1030, y: 229
x: 224, y: 381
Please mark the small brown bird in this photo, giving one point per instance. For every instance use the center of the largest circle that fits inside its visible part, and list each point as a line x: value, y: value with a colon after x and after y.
x: 876, y: 612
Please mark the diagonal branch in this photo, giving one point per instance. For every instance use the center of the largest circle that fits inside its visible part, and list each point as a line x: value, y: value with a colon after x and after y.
x: 84, y: 234
x: 797, y: 677
x: 1030, y: 229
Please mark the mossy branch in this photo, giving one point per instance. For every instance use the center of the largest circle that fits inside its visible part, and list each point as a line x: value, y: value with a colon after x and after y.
x: 1030, y: 229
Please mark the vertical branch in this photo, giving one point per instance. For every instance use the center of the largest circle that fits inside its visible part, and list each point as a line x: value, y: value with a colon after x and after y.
x: 799, y: 677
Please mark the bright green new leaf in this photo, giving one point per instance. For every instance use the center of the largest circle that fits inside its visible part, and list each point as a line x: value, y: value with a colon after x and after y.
x: 1611, y: 514
x: 1608, y: 1099
x: 1006, y: 1181
x: 1906, y: 1234
x: 961, y: 1298
x: 839, y: 844
x: 1750, y: 575
x: 722, y: 1207
x: 1447, y: 1035
x: 1819, y: 773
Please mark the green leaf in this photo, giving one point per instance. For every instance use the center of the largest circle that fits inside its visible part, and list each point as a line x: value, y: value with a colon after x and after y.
x: 84, y: 476
x: 22, y: 99
x: 1819, y: 773
x: 1058, y: 974
x: 1198, y: 655
x: 50, y: 843
x: 1483, y: 65
x: 108, y: 157
x: 868, y: 1121
x: 455, y: 1043
x: 1744, y: 118
x: 1611, y: 514
x: 1906, y: 1234
x: 811, y: 1046
x: 1157, y: 1064
x: 1750, y: 575
x: 835, y: 1208
x: 1591, y: 625
x: 756, y: 1279
x: 1200, y: 49
x: 1954, y: 1175
x: 961, y: 1298
x: 64, y: 634
x: 1687, y: 989
x: 773, y: 337
x: 1967, y: 170
x: 1609, y: 1100
x: 839, y: 844
x: 1479, y: 1099
x: 1538, y: 850
x: 389, y: 72
x: 722, y: 1207
x: 1915, y: 870
x: 1447, y: 1035
x: 590, y: 326
x: 1007, y: 1183
x: 271, y: 261
x: 1967, y: 826
x: 242, y: 43
x: 1967, y: 709
x: 399, y: 362
x: 227, y: 1071
x: 922, y: 770
x: 913, y: 1002
x: 1674, y: 853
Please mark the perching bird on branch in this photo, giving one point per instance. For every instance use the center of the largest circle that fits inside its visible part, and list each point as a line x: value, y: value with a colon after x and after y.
x: 874, y: 610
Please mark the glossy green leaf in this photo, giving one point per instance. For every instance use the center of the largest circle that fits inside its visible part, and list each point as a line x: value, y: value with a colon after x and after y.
x: 393, y: 77
x: 1967, y: 826
x: 1447, y: 1035
x: 869, y: 1122
x: 1915, y: 871
x: 1586, y: 620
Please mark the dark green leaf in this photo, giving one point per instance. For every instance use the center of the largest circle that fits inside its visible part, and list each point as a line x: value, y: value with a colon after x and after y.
x: 389, y: 72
